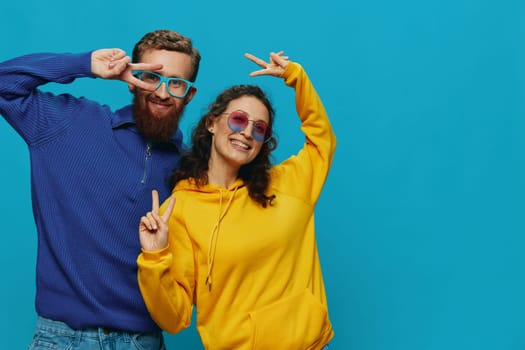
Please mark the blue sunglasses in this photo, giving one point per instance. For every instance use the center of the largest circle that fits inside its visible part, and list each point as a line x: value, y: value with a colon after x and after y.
x: 176, y: 87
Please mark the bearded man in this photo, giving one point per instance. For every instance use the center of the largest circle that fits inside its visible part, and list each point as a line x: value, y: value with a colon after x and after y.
x: 92, y: 173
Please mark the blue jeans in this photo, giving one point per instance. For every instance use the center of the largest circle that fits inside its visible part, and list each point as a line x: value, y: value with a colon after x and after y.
x: 55, y: 335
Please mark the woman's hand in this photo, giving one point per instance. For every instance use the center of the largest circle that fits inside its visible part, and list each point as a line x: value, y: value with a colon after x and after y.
x: 275, y: 67
x: 153, y: 228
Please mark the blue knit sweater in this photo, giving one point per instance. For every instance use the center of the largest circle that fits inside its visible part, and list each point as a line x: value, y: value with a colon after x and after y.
x: 91, y: 179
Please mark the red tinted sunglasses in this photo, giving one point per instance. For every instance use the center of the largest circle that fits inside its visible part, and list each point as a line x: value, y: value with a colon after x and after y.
x: 238, y: 121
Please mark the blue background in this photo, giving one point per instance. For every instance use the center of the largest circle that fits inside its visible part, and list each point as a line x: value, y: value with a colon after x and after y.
x: 421, y: 224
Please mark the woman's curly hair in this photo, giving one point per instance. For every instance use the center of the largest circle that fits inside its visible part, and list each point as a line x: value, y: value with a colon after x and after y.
x: 255, y: 175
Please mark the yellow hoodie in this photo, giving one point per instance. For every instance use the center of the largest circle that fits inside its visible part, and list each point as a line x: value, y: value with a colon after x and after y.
x: 252, y: 272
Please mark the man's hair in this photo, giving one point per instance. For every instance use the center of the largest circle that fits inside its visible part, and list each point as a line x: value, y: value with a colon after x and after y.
x: 171, y: 41
x: 194, y: 165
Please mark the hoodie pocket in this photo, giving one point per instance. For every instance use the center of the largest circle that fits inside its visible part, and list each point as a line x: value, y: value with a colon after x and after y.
x: 295, y: 322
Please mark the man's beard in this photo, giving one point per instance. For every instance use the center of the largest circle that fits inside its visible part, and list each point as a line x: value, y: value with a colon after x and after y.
x: 152, y: 127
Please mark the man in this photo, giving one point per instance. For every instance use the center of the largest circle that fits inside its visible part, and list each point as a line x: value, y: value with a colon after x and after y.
x: 92, y: 173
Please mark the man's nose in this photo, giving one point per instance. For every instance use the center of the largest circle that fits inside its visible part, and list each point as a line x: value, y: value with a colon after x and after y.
x: 162, y: 91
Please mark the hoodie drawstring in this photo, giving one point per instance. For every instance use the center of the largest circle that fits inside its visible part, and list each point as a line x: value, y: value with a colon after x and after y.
x: 214, y: 236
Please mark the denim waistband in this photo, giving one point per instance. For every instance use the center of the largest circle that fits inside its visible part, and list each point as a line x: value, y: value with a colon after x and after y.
x: 61, y: 328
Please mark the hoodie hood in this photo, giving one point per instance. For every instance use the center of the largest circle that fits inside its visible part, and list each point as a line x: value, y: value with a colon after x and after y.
x: 190, y: 185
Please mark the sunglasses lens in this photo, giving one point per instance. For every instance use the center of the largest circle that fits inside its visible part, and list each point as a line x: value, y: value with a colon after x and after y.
x: 149, y: 77
x: 259, y: 130
x: 238, y: 121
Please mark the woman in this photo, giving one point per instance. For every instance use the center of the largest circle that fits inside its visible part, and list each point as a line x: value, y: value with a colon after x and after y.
x: 242, y: 245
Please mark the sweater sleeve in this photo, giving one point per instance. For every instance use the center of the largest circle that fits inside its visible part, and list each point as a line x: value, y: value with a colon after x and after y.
x: 34, y: 114
x: 303, y: 175
x: 166, y: 278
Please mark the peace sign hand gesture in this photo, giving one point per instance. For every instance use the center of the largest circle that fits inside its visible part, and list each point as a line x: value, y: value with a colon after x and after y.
x: 275, y: 67
x: 114, y: 64
x: 153, y: 228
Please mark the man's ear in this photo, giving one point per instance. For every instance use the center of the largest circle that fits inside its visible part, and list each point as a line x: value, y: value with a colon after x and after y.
x: 189, y: 96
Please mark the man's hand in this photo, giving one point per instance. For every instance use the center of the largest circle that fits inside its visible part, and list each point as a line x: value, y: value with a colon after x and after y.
x: 114, y: 64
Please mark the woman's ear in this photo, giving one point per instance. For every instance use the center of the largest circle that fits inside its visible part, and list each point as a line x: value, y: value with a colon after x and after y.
x: 210, y: 124
x: 131, y: 88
